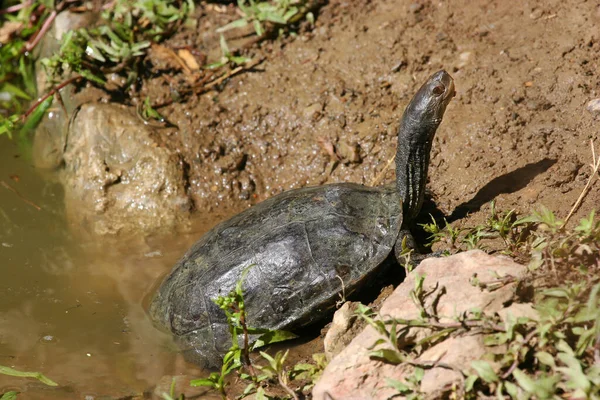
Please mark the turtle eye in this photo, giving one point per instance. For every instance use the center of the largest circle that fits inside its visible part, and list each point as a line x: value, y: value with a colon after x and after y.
x: 438, y: 90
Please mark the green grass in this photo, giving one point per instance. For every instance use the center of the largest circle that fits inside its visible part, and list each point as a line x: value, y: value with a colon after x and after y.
x: 118, y: 44
x: 278, y: 13
x: 11, y: 395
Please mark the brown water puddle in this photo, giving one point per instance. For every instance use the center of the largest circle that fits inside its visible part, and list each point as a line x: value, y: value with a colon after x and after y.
x: 70, y: 307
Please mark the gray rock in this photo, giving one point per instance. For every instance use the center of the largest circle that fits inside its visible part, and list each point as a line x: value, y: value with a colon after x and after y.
x: 117, y: 179
x: 353, y: 375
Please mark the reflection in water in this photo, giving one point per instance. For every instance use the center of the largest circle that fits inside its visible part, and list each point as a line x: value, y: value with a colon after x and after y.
x: 70, y: 307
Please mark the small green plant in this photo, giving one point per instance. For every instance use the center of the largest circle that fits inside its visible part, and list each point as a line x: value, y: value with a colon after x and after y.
x: 23, y: 25
x: 278, y: 12
x: 128, y: 29
x: 116, y: 45
x: 239, y: 356
x: 171, y: 395
x: 309, y: 372
x: 275, y: 369
x: 411, y: 389
x: 227, y: 57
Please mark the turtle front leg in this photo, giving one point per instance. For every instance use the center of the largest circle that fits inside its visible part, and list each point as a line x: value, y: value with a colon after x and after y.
x: 406, y: 242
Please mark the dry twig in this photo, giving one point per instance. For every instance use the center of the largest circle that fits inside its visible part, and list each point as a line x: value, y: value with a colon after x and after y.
x: 595, y: 165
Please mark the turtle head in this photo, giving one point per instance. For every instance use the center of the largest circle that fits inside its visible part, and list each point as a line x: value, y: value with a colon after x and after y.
x: 425, y: 111
x: 419, y: 123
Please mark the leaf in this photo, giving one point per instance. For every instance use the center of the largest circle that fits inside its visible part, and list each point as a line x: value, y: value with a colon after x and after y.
x: 269, y: 337
x: 40, y: 377
x: 376, y: 343
x: 545, y: 358
x: 9, y: 396
x: 239, y: 60
x: 258, y: 28
x: 495, y: 339
x: 12, y: 89
x: 485, y: 371
x: 542, y: 387
x: 215, y: 65
x: 387, y: 355
x: 586, y: 225
x: 202, y: 382
x: 419, y: 373
x: 399, y: 386
x: 260, y: 394
x: 224, y: 47
x: 511, y: 389
x: 36, y: 115
x: 470, y: 382
x: 240, y: 23
x: 251, y: 388
x: 524, y: 381
x: 556, y: 292
x: 577, y: 378
x: 87, y: 74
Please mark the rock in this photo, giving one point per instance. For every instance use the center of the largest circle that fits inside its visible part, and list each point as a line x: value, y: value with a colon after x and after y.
x: 116, y: 178
x: 464, y: 59
x: 348, y: 153
x: 353, y: 375
x: 51, y: 133
x: 344, y: 327
x: 593, y: 106
x: 49, y: 142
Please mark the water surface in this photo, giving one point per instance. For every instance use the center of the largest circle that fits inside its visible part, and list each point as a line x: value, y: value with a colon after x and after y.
x: 71, y: 306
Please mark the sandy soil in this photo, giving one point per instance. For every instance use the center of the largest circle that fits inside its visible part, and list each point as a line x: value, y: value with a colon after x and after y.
x: 517, y: 132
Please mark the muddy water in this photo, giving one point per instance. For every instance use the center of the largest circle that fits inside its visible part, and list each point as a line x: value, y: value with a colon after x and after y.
x: 70, y: 307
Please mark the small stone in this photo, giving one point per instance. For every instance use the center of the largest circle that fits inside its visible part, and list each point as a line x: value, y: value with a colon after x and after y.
x: 313, y: 111
x: 153, y: 254
x: 399, y: 65
x: 593, y: 106
x: 536, y: 13
x: 464, y: 58
x: 348, y: 153
x: 415, y: 8
x: 343, y: 329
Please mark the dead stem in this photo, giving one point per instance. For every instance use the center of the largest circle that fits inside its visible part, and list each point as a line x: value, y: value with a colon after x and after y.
x: 31, y: 203
x: 595, y: 166
x: 380, y: 176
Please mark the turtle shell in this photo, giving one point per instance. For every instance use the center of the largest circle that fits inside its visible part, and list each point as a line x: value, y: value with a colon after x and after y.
x: 293, y: 246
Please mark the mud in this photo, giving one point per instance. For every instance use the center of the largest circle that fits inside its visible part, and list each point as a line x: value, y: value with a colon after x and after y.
x: 324, y: 107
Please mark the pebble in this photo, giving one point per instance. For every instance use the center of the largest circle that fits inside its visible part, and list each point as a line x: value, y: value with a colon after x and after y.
x: 593, y: 106
x: 464, y: 58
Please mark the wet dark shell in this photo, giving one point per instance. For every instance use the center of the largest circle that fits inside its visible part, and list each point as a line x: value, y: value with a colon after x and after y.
x: 294, y: 246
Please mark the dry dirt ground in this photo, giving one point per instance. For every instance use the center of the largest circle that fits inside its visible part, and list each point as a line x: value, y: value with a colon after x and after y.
x: 518, y: 130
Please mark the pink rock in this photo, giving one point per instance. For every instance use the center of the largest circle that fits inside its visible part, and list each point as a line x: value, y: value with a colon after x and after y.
x: 353, y: 375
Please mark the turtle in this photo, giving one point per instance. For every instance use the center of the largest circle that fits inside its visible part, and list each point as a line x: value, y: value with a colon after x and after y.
x: 298, y: 249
